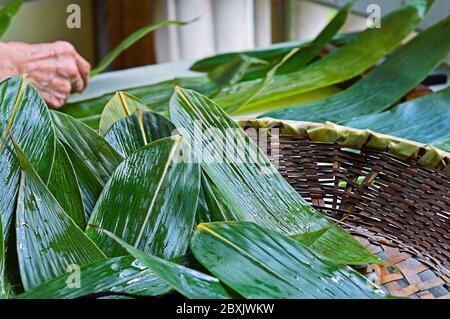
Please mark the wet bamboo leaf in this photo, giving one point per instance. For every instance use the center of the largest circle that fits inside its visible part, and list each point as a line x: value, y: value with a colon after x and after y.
x: 424, y: 120
x: 7, y: 14
x: 129, y: 41
x: 155, y: 208
x: 25, y: 115
x: 347, y: 62
x: 141, y: 128
x: 90, y: 185
x: 120, y: 106
x: 211, y: 207
x: 346, y: 247
x: 115, y: 275
x: 98, y: 155
x: 248, y: 183
x: 63, y: 184
x: 189, y: 282
x: 48, y: 240
x: 308, y: 239
x: 384, y: 86
x: 94, y: 160
x: 272, y: 265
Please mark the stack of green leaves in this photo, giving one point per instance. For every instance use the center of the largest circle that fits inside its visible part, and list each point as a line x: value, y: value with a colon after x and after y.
x: 130, y: 204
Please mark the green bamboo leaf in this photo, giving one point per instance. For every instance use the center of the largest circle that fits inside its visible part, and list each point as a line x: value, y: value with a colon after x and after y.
x: 424, y: 120
x: 308, y: 53
x: 248, y: 183
x: 116, y: 275
x: 120, y: 106
x: 23, y: 113
x: 63, y: 184
x: 7, y: 14
x: 189, y: 282
x: 94, y: 160
x: 347, y: 62
x: 157, y: 95
x: 253, y: 91
x: 155, y: 209
x: 273, y: 54
x: 141, y: 128
x: 129, y: 41
x: 308, y: 239
x: 233, y: 71
x: 99, y: 156
x: 90, y: 185
x: 48, y: 240
x: 345, y: 247
x: 384, y: 86
x: 259, y: 263
x: 211, y: 206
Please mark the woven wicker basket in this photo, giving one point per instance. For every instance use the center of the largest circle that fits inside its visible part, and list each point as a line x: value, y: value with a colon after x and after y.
x: 396, y: 193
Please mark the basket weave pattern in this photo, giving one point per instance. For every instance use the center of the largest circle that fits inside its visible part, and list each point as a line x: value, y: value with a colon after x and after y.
x: 397, y: 208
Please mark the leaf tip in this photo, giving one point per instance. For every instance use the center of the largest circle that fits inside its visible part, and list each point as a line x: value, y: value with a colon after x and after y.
x: 178, y: 89
x: 177, y: 138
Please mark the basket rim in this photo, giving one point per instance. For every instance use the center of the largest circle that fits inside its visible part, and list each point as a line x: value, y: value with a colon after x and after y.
x: 328, y: 132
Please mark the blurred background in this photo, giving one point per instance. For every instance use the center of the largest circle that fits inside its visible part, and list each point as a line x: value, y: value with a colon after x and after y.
x: 223, y: 25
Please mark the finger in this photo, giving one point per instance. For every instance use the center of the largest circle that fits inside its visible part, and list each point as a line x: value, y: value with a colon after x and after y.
x: 77, y: 85
x: 67, y: 69
x: 51, y: 82
x: 64, y: 48
x: 85, y: 69
x: 52, y: 100
x: 61, y: 85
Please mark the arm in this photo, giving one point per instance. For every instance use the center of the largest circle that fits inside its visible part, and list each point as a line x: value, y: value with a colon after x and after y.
x: 56, y: 69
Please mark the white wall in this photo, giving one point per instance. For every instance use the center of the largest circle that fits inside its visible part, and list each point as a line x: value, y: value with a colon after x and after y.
x: 234, y: 25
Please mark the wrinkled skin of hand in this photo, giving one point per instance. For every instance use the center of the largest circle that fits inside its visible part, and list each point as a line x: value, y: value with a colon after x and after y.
x: 56, y: 69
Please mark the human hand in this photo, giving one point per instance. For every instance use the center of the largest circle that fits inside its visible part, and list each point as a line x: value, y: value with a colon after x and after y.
x: 56, y: 69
